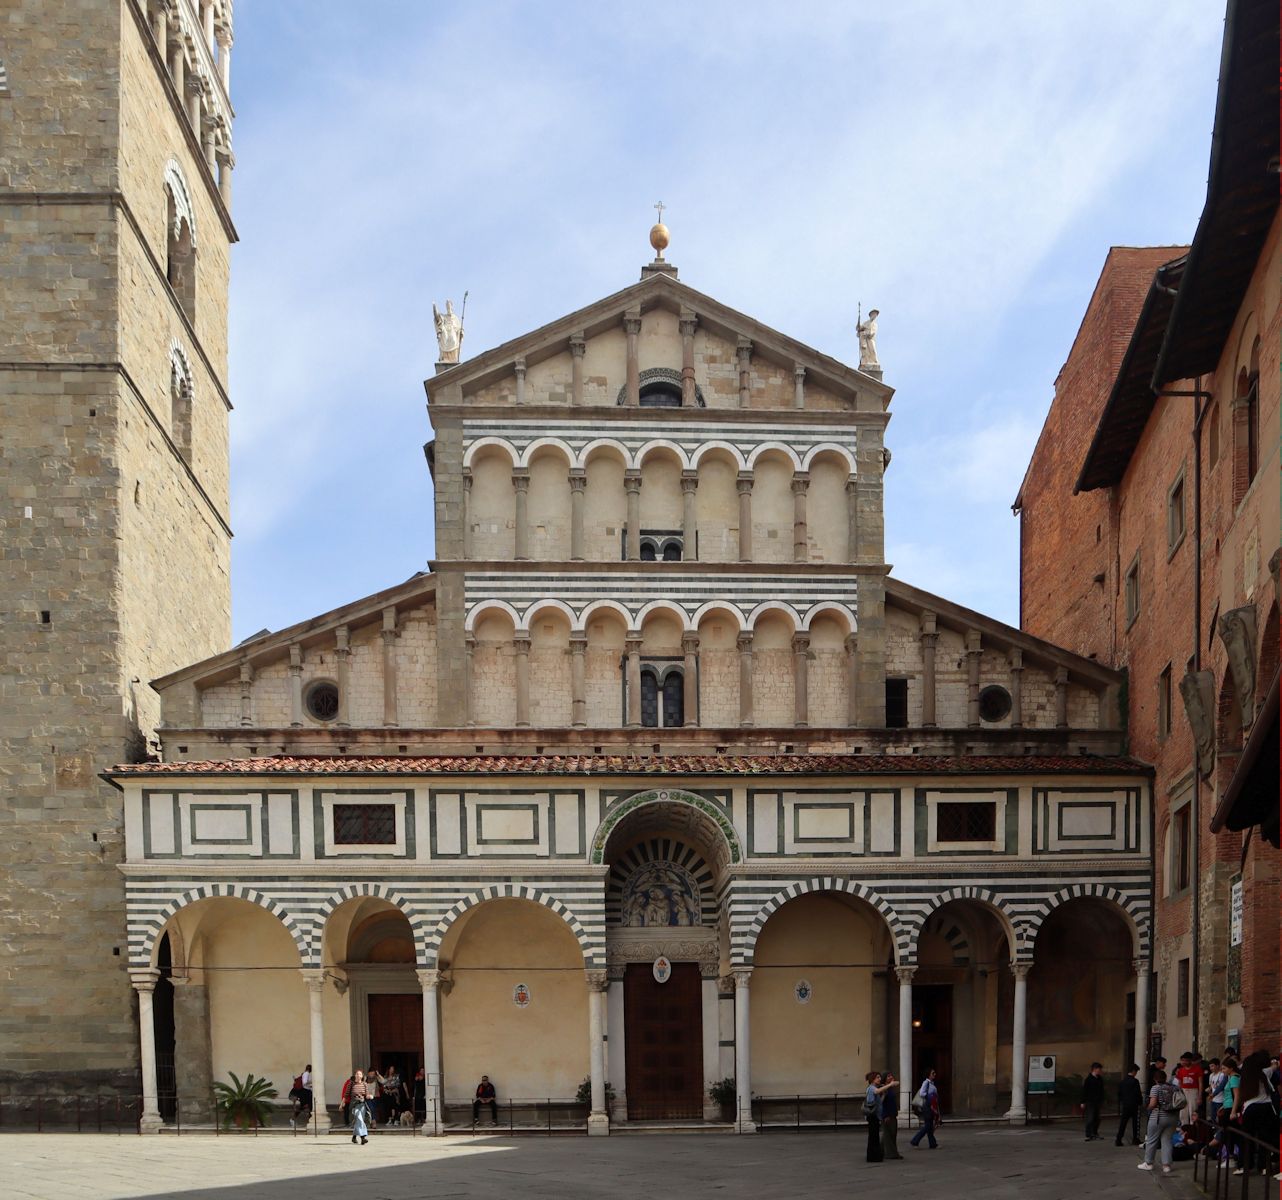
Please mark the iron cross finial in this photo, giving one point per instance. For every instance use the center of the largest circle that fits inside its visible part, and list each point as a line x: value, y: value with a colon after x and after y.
x: 659, y: 209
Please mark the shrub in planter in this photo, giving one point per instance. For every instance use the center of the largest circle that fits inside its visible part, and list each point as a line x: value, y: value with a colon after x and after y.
x: 245, y: 1103
x: 584, y: 1094
x: 723, y: 1093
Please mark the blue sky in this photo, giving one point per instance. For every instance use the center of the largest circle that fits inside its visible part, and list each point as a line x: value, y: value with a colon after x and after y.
x: 962, y: 168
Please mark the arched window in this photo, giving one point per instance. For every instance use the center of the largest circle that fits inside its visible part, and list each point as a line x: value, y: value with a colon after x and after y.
x: 648, y: 552
x: 180, y: 240
x: 660, y: 387
x: 661, y: 394
x: 662, y: 696
x: 672, y: 550
x: 1253, y: 414
x: 181, y: 394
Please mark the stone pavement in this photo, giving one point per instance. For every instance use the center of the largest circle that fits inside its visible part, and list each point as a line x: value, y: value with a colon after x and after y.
x: 1031, y: 1164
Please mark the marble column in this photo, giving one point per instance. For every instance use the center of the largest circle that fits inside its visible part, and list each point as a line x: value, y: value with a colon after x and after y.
x: 632, y: 483
x: 518, y: 369
x: 599, y: 1117
x: 521, y: 485
x: 144, y: 983
x: 467, y: 512
x: 632, y: 328
x: 632, y: 645
x: 1016, y: 688
x: 744, y: 486
x: 743, y: 1051
x: 578, y: 347
x: 929, y: 644
x: 1018, y: 1111
x: 687, y: 324
x: 521, y: 644
x: 191, y: 99
x: 973, y: 651
x: 342, y: 669
x: 616, y: 1046
x: 800, y: 537
x: 578, y: 487
x: 689, y: 517
x: 690, y: 678
x: 296, y: 686
x: 314, y: 977
x: 852, y: 519
x: 1061, y: 697
x: 159, y: 28
x: 246, y: 694
x: 744, y: 644
x: 801, y: 679
x: 578, y: 680
x: 178, y: 64
x: 222, y: 35
x: 799, y: 386
x: 431, y: 984
x: 710, y: 996
x: 743, y: 350
x: 852, y: 680
x: 390, y: 635
x: 1141, y: 1017
x: 469, y: 651
x: 907, y: 1081
x: 226, y: 161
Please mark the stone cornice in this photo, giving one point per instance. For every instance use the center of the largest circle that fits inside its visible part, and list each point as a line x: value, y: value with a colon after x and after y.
x: 660, y: 416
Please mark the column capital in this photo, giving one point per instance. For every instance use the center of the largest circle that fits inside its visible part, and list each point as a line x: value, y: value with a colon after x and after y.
x: 800, y: 482
x: 597, y: 980
x: 578, y: 643
x: 578, y: 344
x: 1020, y: 970
x: 928, y: 622
x: 518, y: 365
x: 295, y: 659
x: 144, y: 980
x: 686, y: 323
x: 689, y: 643
x: 246, y: 672
x: 632, y: 480
x: 1061, y: 674
x: 521, y: 643
x: 852, y: 643
x: 632, y: 323
x: 1016, y: 659
x: 742, y: 976
x: 520, y: 479
x: 314, y: 978
x: 905, y: 974
x: 689, y: 481
x: 800, y: 642
x: 632, y: 641
x: 744, y: 642
x: 743, y: 482
x: 1140, y: 967
x: 798, y: 371
x: 852, y: 484
x: 578, y: 479
x: 430, y: 977
x: 973, y: 642
x: 743, y: 348
x: 342, y: 642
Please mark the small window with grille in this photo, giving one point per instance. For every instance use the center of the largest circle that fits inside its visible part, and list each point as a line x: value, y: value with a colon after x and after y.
x: 365, y: 824
x: 662, y: 696
x: 966, y: 821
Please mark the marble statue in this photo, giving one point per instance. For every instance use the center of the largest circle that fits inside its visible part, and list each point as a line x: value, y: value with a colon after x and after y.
x: 867, y: 331
x: 449, y: 333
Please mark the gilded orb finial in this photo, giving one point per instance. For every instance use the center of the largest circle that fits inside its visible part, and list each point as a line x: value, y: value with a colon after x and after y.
x: 659, y: 232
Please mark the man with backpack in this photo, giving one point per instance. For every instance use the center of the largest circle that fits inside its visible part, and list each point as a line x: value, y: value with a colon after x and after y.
x: 926, y: 1106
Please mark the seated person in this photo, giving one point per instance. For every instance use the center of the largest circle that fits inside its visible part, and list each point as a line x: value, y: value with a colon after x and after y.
x: 485, y: 1094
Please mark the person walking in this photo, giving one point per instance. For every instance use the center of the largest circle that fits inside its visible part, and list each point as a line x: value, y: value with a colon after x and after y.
x: 927, y: 1107
x: 1162, y: 1106
x: 872, y: 1112
x: 1093, y: 1100
x: 1129, y: 1098
x: 890, y: 1118
x: 360, y: 1108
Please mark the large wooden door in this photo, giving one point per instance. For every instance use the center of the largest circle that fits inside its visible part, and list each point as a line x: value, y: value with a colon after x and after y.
x: 933, y: 1039
x: 663, y: 1029
x: 396, y: 1033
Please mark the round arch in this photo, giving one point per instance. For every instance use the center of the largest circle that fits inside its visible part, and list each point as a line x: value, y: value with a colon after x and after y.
x: 774, y: 606
x: 1136, y: 919
x: 744, y: 945
x: 990, y: 901
x: 176, y: 186
x: 725, y: 447
x: 491, y: 443
x: 593, y: 955
x: 668, y: 606
x: 559, y: 445
x: 481, y: 607
x: 596, y: 606
x: 708, y: 817
x: 661, y: 444
x: 832, y: 607
x: 840, y: 451
x: 731, y: 610
x: 142, y: 952
x: 539, y: 606
x: 774, y: 447
x: 361, y: 891
x: 604, y: 443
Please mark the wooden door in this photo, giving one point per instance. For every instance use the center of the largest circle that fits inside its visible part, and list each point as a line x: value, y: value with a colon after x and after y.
x: 933, y: 1039
x: 663, y: 1029
x: 396, y: 1033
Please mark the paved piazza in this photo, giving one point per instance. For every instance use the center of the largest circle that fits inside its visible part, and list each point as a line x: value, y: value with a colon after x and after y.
x: 1038, y: 1163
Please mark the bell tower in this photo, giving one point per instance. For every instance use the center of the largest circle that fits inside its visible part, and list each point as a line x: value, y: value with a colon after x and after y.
x: 115, y: 193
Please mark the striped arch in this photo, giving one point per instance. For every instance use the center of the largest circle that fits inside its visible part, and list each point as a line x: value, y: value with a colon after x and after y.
x: 604, y: 443
x: 707, y: 447
x: 829, y: 448
x: 431, y: 945
x: 176, y: 186
x: 356, y: 891
x: 643, y: 452
x: 900, y: 935
x: 484, y: 442
x: 142, y: 954
x: 1014, y: 930
x: 483, y: 606
x: 1135, y: 912
x: 780, y: 448
x: 542, y: 443
x: 940, y: 926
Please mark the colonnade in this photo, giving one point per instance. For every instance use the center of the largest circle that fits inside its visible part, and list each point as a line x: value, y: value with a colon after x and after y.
x: 576, y: 478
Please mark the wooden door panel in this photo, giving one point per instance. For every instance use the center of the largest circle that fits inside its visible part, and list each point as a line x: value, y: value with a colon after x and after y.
x: 664, y: 1039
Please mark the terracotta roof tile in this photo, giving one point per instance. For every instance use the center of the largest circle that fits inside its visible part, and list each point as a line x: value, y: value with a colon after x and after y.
x: 658, y: 764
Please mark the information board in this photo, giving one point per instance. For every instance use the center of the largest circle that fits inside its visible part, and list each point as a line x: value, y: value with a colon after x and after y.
x: 1041, y: 1074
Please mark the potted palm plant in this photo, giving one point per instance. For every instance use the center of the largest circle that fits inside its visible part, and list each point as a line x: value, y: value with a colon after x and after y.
x: 244, y: 1102
x: 723, y: 1093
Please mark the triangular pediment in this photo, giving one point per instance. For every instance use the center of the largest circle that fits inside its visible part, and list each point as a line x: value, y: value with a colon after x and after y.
x: 656, y: 293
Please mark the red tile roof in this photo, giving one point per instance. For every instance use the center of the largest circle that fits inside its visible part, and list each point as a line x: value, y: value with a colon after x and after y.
x: 645, y: 764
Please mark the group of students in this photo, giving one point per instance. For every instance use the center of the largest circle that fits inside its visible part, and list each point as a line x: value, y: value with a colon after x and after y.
x: 881, y: 1108
x: 370, y: 1098
x: 1235, y: 1098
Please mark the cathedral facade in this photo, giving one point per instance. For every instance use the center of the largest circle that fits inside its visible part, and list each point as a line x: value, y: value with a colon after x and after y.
x: 656, y: 779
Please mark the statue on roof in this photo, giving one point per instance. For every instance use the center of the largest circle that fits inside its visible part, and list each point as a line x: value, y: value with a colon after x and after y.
x: 867, y: 331
x: 449, y: 331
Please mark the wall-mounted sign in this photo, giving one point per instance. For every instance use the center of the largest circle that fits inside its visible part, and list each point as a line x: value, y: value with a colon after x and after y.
x: 1235, y: 913
x: 803, y: 991
x: 1041, y: 1074
x: 662, y: 969
x: 521, y: 996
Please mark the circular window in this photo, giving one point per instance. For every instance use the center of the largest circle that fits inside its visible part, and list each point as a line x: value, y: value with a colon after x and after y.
x: 994, y: 703
x: 321, y: 701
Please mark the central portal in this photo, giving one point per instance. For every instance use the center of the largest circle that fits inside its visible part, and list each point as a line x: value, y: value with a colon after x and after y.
x: 664, y: 1039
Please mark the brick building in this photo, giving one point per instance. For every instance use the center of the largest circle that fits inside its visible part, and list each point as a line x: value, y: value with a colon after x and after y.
x: 1149, y: 541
